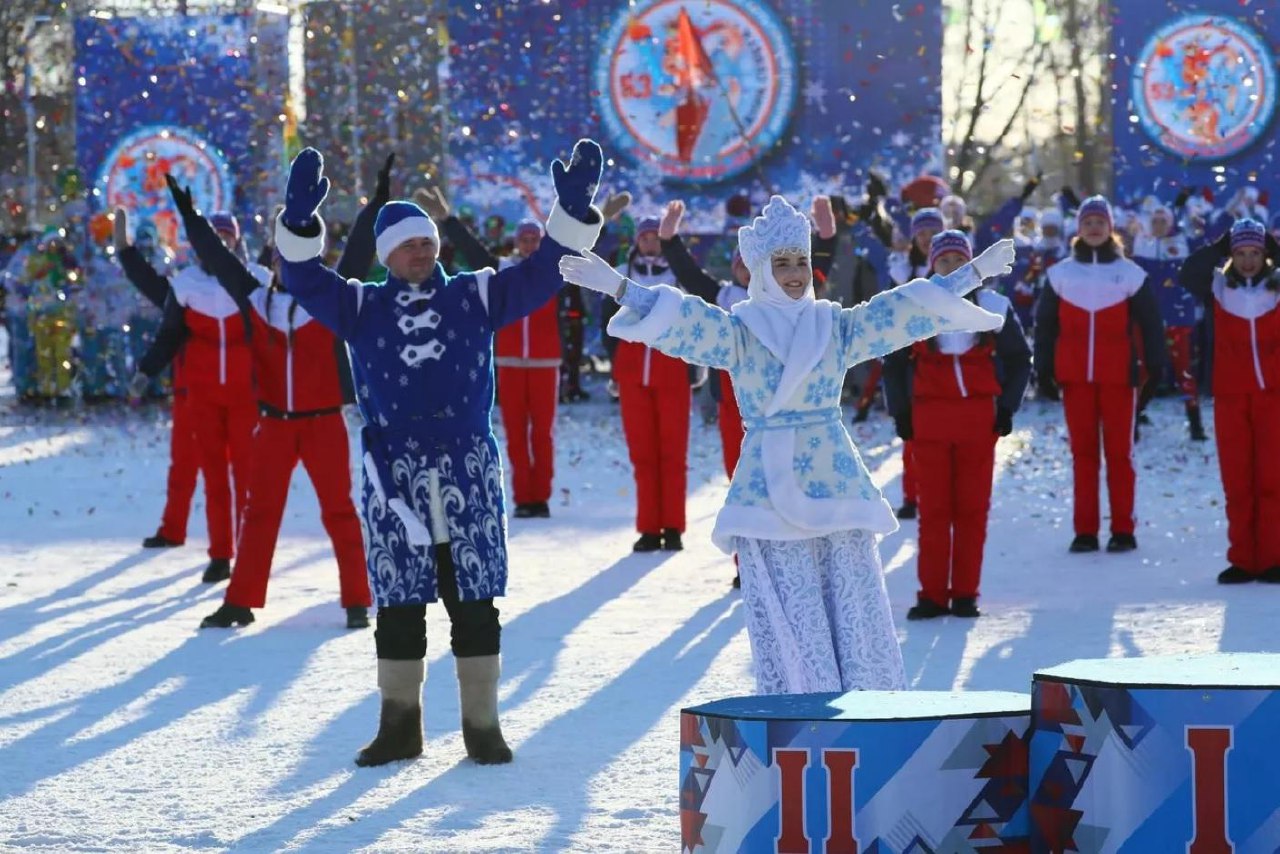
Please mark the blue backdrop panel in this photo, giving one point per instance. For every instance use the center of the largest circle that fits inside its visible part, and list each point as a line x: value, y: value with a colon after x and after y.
x: 692, y: 100
x: 1195, y: 100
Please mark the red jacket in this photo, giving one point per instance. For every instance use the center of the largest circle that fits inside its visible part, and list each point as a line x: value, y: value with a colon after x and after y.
x: 1093, y: 305
x: 1246, y: 338
x: 294, y: 357
x: 533, y: 341
x: 216, y: 353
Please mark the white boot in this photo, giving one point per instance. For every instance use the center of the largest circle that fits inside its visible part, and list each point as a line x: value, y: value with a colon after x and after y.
x: 400, y: 727
x: 478, y: 695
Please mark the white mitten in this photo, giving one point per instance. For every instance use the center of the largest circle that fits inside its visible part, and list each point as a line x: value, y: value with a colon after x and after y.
x: 995, y: 261
x: 591, y: 271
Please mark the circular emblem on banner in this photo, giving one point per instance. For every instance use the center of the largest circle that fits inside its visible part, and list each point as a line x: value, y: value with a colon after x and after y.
x: 132, y: 176
x: 1205, y: 87
x: 700, y: 90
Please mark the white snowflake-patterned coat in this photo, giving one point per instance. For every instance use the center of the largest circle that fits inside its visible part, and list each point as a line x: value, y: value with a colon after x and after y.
x: 800, y: 475
x: 422, y: 356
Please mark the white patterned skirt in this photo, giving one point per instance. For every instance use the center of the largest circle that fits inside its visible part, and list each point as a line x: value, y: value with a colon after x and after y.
x: 818, y: 615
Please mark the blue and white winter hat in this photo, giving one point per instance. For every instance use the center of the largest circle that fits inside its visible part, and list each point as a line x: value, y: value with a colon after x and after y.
x: 951, y: 240
x: 529, y: 226
x: 927, y: 218
x: 1248, y: 232
x: 401, y: 221
x: 1095, y: 206
x: 225, y: 222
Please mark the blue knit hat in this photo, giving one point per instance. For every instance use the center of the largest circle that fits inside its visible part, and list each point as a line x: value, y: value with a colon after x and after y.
x: 224, y: 221
x: 1248, y: 232
x: 531, y: 226
x: 951, y: 240
x: 1095, y: 206
x: 401, y: 221
x: 927, y: 218
x: 649, y: 223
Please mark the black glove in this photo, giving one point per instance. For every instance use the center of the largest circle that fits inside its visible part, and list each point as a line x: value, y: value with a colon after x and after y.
x: 181, y: 198
x: 1223, y: 244
x: 1004, y: 421
x: 876, y: 188
x: 1030, y: 187
x: 1049, y: 390
x: 1183, y: 195
x: 1070, y: 197
x: 383, y: 191
x: 902, y: 424
x: 1273, y: 248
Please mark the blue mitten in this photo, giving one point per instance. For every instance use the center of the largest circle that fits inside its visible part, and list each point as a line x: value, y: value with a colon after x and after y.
x: 306, y: 189
x: 576, y: 183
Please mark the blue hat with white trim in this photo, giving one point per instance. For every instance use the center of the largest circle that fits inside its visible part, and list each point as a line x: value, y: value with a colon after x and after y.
x: 401, y: 221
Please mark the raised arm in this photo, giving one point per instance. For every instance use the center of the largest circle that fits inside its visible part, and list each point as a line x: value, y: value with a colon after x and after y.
x: 358, y: 254
x: 153, y: 286
x: 688, y: 273
x: 470, y: 247
x: 1197, y: 272
x: 824, y: 242
x: 225, y: 265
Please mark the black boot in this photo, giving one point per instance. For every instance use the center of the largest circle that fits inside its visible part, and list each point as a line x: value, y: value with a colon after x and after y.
x: 965, y: 606
x: 400, y: 724
x: 907, y: 510
x: 159, y: 541
x: 357, y: 617
x: 648, y: 543
x: 1236, y: 575
x: 540, y: 510
x: 1194, y: 424
x: 1122, y: 543
x: 478, y: 698
x: 1271, y: 575
x: 926, y: 609
x: 861, y: 414
x: 227, y: 616
x: 523, y: 511
x: 1084, y: 543
x: 671, y: 541
x: 219, y: 569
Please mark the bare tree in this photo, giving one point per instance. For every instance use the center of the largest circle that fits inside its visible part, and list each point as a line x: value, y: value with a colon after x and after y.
x: 1081, y: 75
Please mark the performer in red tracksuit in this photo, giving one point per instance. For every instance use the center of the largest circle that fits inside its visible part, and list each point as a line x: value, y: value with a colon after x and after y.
x: 1083, y: 346
x: 528, y: 358
x: 655, y: 393
x: 184, y: 455
x: 1244, y: 295
x: 204, y: 323
x: 297, y: 366
x: 957, y: 394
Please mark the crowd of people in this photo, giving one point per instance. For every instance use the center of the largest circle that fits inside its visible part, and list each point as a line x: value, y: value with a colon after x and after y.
x: 272, y: 358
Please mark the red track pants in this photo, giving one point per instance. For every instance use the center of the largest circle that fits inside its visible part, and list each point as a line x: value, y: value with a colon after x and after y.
x: 320, y: 443
x: 184, y: 466
x: 871, y: 384
x: 528, y: 399
x: 224, y: 425
x: 910, y: 482
x: 1246, y: 427
x: 1100, y: 420
x: 1178, y: 339
x: 955, y: 467
x: 655, y: 421
x: 730, y: 421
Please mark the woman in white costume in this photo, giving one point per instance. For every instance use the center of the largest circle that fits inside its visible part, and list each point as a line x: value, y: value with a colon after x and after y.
x: 802, y: 512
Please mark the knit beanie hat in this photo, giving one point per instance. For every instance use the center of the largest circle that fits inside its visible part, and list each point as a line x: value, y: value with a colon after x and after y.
x: 1095, y: 206
x: 398, y: 222
x: 951, y: 240
x: 225, y: 222
x: 927, y: 218
x: 649, y: 223
x: 1248, y: 232
x: 529, y: 226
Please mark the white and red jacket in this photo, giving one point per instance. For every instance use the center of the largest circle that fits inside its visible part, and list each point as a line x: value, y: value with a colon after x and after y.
x: 1085, y: 317
x: 636, y: 363
x: 294, y: 357
x: 532, y: 342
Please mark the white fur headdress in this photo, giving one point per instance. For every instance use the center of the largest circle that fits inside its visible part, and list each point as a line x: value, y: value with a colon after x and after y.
x: 780, y: 228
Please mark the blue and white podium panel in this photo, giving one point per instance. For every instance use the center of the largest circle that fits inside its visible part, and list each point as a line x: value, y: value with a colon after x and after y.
x: 1163, y: 754
x: 876, y: 772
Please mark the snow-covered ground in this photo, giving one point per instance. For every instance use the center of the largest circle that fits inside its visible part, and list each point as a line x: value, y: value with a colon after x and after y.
x: 123, y: 728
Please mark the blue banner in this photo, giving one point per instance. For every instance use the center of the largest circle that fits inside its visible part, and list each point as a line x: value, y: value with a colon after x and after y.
x: 1195, y: 100
x: 198, y: 96
x: 692, y: 100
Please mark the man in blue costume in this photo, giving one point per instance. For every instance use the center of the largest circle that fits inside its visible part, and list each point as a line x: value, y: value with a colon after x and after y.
x: 422, y: 354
